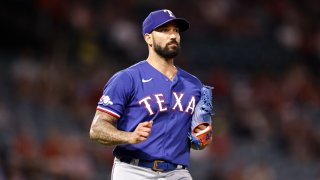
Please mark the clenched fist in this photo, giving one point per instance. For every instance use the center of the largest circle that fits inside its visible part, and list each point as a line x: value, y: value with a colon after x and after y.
x: 141, y: 133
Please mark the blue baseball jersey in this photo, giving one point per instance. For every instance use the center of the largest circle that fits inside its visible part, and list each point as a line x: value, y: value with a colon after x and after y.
x: 142, y: 93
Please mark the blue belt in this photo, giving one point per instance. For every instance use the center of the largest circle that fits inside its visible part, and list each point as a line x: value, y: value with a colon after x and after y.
x: 156, y: 165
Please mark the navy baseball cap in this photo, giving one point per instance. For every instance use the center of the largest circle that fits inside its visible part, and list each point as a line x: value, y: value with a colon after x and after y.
x: 160, y: 17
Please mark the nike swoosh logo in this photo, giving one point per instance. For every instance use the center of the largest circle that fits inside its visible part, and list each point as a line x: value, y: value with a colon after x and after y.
x: 146, y: 80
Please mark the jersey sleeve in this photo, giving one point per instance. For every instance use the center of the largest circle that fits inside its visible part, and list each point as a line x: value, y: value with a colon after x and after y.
x: 116, y: 94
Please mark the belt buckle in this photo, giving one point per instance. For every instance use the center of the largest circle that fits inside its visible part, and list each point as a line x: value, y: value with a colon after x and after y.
x: 155, y: 164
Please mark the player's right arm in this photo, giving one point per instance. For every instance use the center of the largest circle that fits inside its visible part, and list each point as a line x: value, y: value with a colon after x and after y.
x: 103, y: 130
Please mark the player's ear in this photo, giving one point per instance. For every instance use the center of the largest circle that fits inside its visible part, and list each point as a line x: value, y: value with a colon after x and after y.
x: 148, y: 38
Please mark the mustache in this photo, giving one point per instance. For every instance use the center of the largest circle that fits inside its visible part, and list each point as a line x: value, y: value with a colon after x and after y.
x: 173, y: 42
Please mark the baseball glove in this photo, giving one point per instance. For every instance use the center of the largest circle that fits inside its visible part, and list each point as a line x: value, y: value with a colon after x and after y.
x: 202, y: 116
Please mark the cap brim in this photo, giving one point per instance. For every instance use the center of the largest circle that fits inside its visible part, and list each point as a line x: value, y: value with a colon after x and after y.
x: 182, y: 24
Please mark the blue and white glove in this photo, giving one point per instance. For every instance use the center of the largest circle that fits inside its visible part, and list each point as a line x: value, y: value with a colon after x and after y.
x: 202, y: 116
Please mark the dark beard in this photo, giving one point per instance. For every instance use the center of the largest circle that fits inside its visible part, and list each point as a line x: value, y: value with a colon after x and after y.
x: 166, y: 52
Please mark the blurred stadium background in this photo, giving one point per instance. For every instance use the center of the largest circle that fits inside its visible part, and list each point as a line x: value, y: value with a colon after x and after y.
x: 262, y: 57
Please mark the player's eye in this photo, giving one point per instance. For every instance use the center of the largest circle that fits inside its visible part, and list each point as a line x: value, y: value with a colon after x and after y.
x: 168, y: 29
x: 164, y: 30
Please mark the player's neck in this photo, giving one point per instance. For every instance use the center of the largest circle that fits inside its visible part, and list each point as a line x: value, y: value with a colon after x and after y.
x: 165, y: 66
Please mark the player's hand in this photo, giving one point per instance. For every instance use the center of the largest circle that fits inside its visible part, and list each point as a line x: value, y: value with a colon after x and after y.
x: 200, y: 128
x: 141, y: 133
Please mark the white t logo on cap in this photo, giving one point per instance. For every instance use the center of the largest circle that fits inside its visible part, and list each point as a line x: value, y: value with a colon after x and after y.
x: 170, y: 13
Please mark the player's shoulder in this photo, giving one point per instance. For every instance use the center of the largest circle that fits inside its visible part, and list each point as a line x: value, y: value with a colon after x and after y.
x: 189, y: 77
x: 127, y: 76
x: 131, y: 70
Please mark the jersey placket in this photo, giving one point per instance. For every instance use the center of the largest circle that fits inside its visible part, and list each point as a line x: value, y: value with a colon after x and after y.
x: 170, y: 84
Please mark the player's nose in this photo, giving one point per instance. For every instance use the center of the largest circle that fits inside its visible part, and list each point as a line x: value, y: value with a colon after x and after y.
x: 173, y: 36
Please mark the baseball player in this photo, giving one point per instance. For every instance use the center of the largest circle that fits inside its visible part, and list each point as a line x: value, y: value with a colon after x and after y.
x: 146, y: 110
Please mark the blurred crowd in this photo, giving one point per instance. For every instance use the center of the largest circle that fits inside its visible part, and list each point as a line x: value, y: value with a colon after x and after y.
x: 262, y: 57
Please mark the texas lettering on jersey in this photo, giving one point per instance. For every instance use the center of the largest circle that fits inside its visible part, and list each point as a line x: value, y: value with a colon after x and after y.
x: 141, y: 93
x: 160, y: 100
